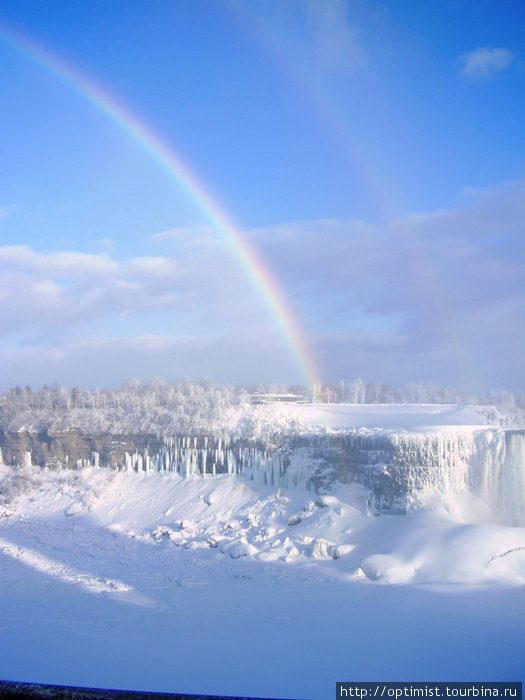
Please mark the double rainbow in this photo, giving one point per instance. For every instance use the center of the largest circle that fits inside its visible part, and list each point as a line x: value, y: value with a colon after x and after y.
x: 166, y: 157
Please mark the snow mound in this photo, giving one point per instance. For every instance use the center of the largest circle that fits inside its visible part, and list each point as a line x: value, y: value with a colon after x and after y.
x: 508, y: 566
x: 74, y: 509
x: 387, y: 568
x: 448, y: 539
x: 242, y: 548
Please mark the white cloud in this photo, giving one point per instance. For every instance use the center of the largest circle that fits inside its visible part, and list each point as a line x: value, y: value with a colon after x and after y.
x: 436, y: 295
x: 59, y: 263
x: 484, y: 63
x: 154, y: 266
x: 54, y: 295
x: 444, y: 289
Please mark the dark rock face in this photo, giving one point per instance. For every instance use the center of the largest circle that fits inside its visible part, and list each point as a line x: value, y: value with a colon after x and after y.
x: 72, y: 448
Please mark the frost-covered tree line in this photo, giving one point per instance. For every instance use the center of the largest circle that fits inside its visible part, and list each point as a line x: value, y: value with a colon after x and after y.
x: 163, y: 408
x: 155, y: 407
x: 357, y: 391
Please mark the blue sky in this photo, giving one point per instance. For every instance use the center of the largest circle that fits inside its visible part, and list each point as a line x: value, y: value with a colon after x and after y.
x: 372, y: 153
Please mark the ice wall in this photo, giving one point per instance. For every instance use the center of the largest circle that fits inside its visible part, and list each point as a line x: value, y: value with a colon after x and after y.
x: 497, y: 473
x: 395, y: 468
x: 488, y: 463
x: 205, y: 456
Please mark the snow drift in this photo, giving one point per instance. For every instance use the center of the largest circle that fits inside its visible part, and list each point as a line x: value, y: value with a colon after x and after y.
x: 207, y: 565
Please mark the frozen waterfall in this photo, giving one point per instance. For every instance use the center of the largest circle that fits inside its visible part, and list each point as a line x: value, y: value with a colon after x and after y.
x: 396, y: 468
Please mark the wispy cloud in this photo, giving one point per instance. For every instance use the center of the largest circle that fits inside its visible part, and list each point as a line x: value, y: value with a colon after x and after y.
x: 196, y: 235
x: 107, y: 244
x: 110, y: 361
x: 333, y: 39
x: 484, y: 63
x: 6, y: 211
x: 313, y: 36
x: 443, y: 290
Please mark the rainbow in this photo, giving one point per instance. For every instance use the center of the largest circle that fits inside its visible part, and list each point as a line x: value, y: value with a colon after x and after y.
x: 320, y: 103
x: 142, y: 134
x: 388, y: 200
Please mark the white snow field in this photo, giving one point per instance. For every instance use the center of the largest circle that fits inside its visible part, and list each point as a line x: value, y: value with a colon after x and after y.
x: 220, y: 585
x: 392, y: 417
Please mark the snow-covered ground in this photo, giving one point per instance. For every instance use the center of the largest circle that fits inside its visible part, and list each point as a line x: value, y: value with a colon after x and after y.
x: 217, y: 585
x: 392, y: 417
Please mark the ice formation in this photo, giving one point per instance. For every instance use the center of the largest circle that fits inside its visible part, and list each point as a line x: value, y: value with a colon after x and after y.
x: 398, y: 469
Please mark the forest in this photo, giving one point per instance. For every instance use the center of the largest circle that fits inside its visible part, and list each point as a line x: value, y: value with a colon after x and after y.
x: 159, y: 407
